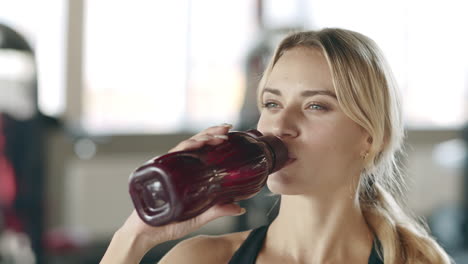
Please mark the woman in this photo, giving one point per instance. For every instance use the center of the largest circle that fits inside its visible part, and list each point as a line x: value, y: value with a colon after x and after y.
x: 331, y: 97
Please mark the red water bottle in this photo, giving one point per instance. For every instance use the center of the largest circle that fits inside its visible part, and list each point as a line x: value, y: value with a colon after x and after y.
x: 181, y: 185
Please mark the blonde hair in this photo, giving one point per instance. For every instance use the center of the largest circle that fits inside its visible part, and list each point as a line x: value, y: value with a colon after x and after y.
x: 368, y: 94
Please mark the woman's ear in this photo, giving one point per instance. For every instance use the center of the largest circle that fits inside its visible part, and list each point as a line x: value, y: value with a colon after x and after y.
x: 367, y: 143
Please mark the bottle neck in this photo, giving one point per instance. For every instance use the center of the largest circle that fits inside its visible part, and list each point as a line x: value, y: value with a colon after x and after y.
x: 278, y: 151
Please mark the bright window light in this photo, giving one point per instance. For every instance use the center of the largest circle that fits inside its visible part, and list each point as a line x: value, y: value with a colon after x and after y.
x: 163, y: 66
x: 425, y: 44
x: 43, y: 27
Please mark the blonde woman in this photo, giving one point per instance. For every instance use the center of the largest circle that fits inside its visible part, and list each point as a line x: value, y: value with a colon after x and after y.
x: 331, y: 97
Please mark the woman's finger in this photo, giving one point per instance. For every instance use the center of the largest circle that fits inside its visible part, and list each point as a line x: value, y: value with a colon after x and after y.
x: 222, y: 129
x: 210, y: 136
x: 188, y: 144
x: 180, y: 229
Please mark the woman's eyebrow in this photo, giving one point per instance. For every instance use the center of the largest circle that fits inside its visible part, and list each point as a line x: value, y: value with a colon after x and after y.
x: 271, y: 90
x: 306, y: 93
x: 309, y: 93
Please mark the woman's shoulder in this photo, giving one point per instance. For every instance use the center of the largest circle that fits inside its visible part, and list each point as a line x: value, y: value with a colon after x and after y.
x: 205, y: 249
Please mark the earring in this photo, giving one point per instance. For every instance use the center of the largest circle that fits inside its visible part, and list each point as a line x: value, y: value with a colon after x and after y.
x: 365, y: 156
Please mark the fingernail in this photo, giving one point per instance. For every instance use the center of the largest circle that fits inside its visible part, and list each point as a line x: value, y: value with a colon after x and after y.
x: 221, y: 136
x: 202, y: 138
x: 242, y: 211
x: 226, y: 125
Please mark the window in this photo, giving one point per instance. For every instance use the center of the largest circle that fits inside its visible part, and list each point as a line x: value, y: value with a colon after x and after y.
x: 425, y: 46
x: 163, y: 66
x: 43, y: 28
x: 160, y: 67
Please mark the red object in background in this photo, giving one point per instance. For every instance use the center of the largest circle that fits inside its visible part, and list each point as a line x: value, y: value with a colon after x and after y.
x: 180, y: 185
x: 60, y: 241
x: 7, y: 174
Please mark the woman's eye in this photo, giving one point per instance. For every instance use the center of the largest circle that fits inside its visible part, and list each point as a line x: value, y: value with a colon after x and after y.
x: 317, y: 107
x: 270, y: 105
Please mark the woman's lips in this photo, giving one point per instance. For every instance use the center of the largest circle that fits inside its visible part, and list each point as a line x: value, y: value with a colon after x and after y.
x: 289, y: 161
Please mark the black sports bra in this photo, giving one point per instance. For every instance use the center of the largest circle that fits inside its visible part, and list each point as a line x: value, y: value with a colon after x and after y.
x: 248, y: 251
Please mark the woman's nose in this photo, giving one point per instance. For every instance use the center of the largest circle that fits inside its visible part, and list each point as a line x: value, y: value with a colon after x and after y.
x: 285, y: 126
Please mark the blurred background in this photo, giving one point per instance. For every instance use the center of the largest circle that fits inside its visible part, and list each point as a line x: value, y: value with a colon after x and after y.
x: 89, y: 90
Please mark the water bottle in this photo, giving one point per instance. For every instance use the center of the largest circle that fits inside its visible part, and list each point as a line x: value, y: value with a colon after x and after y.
x: 181, y: 185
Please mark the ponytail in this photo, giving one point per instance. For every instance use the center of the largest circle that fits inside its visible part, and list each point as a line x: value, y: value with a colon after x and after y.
x: 403, y: 240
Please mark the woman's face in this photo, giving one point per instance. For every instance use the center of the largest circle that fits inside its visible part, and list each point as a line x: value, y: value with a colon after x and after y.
x: 299, y: 105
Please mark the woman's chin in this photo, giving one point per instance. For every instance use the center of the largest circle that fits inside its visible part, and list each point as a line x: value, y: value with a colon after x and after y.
x: 281, y: 183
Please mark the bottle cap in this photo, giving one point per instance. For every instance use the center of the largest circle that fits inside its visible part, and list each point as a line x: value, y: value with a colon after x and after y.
x: 279, y: 150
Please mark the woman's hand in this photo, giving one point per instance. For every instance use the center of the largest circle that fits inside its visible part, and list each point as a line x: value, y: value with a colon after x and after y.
x: 131, y: 242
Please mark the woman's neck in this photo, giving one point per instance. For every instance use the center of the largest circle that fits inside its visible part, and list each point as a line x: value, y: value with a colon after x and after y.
x: 328, y: 229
